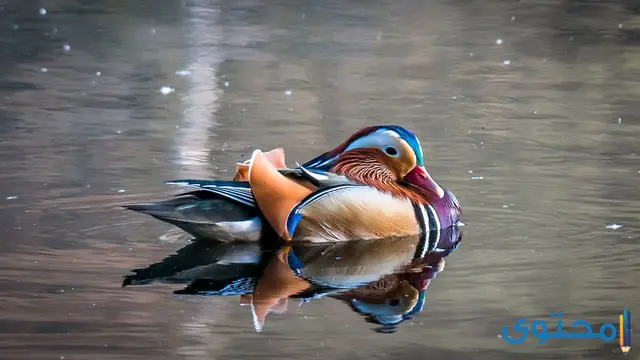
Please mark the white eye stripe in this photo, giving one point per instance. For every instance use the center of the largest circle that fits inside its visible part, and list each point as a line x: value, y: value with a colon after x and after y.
x: 388, y: 132
x: 380, y: 139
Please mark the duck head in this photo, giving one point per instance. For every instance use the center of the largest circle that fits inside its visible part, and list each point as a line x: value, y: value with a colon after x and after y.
x: 387, y: 157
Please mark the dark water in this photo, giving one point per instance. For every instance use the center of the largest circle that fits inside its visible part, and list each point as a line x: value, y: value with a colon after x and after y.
x: 536, y: 135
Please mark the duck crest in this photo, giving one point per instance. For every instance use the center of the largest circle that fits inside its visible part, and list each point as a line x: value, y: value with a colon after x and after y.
x: 356, y: 135
x: 324, y: 161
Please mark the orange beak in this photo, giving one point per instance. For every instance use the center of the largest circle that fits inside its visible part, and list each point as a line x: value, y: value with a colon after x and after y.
x: 421, y: 178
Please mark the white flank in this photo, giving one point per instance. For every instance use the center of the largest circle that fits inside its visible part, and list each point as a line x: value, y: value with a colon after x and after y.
x: 248, y: 229
x: 358, y: 203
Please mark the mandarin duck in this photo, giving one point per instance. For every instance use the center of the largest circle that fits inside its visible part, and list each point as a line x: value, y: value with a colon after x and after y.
x: 372, y: 185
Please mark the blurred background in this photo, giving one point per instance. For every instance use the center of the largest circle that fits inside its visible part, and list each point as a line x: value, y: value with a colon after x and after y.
x: 527, y: 111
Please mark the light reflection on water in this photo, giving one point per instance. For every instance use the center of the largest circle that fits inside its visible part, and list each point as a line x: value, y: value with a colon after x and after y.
x: 542, y: 153
x: 201, y: 103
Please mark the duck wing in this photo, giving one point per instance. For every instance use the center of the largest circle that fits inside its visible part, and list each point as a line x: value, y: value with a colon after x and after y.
x: 236, y: 191
x: 265, y: 188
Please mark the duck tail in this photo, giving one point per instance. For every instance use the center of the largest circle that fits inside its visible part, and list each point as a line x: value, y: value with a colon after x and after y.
x: 206, y: 218
x: 152, y: 209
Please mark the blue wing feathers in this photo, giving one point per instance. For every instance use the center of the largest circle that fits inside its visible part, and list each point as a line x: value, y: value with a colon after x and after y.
x: 238, y: 191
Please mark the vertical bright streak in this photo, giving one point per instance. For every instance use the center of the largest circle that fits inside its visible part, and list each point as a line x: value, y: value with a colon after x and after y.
x: 201, y: 100
x: 192, y: 145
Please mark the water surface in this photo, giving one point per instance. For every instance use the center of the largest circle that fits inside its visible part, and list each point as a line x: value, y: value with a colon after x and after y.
x: 527, y: 111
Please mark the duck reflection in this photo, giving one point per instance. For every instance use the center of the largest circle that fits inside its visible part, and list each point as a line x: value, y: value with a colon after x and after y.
x: 384, y: 280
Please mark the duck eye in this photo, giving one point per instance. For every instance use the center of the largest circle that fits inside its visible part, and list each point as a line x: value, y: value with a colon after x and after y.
x: 394, y: 302
x: 391, y: 151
